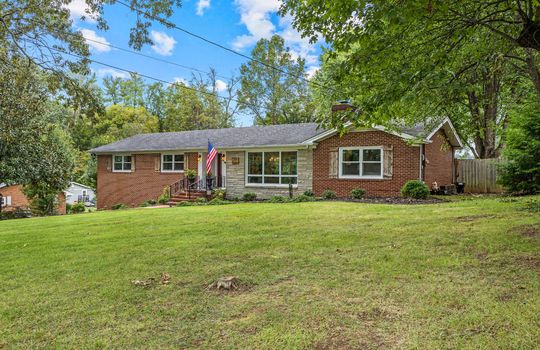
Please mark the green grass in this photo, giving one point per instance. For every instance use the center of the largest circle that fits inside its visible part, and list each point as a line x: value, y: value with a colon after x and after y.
x: 323, y: 275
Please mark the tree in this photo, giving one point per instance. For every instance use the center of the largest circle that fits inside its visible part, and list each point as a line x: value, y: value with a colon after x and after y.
x: 521, y: 171
x: 273, y: 86
x: 33, y: 151
x: 403, y: 62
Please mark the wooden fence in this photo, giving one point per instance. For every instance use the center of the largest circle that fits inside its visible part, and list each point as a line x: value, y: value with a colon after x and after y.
x: 479, y: 175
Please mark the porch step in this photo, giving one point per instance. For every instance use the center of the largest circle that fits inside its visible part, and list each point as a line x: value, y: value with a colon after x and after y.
x: 184, y: 197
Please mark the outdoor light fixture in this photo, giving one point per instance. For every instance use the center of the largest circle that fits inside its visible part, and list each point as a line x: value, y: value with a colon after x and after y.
x: 199, y: 157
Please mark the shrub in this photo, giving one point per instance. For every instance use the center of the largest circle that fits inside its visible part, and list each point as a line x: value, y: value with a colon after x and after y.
x: 201, y: 200
x: 415, y: 189
x: 219, y: 193
x: 119, y: 206
x: 309, y: 193
x: 77, y: 208
x: 520, y: 174
x: 358, y: 193
x: 165, y: 195
x: 148, y: 203
x: 68, y: 208
x: 191, y: 174
x: 249, y: 196
x: 217, y: 201
x: 235, y: 199
x: 328, y: 194
x: 278, y: 199
x: 303, y: 198
x: 184, y: 204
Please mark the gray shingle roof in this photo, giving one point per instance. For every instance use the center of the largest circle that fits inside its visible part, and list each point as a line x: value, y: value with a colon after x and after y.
x: 253, y: 136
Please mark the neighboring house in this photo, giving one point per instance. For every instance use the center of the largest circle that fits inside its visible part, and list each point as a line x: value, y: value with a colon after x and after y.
x: 264, y: 159
x: 13, y: 198
x: 77, y: 192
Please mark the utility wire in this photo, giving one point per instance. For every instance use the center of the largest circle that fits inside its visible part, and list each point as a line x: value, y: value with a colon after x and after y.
x: 200, y: 37
x: 149, y: 77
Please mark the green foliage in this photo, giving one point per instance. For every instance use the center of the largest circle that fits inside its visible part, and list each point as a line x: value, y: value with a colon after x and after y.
x: 521, y: 171
x: 76, y: 208
x: 309, y: 193
x: 273, y: 97
x: 165, y: 195
x: 119, y: 206
x: 278, y: 199
x: 415, y: 189
x: 358, y: 193
x: 303, y: 198
x: 191, y: 174
x: 329, y: 194
x: 148, y: 203
x: 249, y: 196
x: 217, y: 201
x: 201, y: 200
x: 219, y: 193
x: 184, y: 204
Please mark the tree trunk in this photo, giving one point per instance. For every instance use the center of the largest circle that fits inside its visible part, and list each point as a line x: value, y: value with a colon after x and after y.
x: 532, y: 68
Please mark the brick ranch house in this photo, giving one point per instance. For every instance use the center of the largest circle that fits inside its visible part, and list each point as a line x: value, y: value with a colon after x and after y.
x: 264, y: 159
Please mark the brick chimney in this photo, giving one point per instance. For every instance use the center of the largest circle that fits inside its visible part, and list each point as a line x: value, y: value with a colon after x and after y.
x: 343, y: 105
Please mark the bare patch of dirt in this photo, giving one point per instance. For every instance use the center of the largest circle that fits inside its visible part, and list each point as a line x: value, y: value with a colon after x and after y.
x: 164, y: 279
x: 482, y: 256
x: 338, y: 342
x: 530, y: 261
x: 474, y: 217
x: 228, y: 285
x: 531, y: 231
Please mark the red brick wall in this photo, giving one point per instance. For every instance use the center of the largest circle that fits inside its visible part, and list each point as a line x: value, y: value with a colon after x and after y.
x: 146, y: 182
x: 439, y: 157
x: 406, y: 164
x: 18, y: 199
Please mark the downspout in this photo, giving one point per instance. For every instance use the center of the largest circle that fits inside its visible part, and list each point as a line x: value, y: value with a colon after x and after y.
x: 421, y: 159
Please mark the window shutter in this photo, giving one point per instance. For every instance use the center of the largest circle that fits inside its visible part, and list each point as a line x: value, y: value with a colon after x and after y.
x: 8, y: 201
x: 333, y: 163
x: 109, y: 163
x: 157, y: 160
x: 133, y: 163
x: 388, y: 158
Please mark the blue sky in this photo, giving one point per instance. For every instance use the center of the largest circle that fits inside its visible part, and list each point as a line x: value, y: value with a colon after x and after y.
x: 237, y: 24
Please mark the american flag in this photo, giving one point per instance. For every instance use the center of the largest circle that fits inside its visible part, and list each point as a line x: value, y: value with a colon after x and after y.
x: 212, y: 153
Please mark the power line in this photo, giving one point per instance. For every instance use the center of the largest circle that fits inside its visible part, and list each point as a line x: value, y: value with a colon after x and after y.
x: 200, y: 37
x: 139, y: 53
x: 149, y: 77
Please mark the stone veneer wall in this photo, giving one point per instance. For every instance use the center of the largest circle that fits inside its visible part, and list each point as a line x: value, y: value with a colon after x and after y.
x: 236, y: 180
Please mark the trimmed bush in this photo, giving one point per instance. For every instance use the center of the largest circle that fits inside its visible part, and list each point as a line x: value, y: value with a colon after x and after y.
x: 219, y: 193
x: 309, y: 193
x: 165, y: 195
x: 201, y: 200
x: 415, y: 189
x: 119, y: 206
x: 77, y: 208
x: 358, y: 193
x: 328, y: 194
x: 147, y: 203
x: 303, y: 198
x: 278, y: 199
x: 249, y: 196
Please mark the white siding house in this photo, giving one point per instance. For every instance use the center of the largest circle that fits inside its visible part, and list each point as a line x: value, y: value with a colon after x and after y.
x: 77, y: 192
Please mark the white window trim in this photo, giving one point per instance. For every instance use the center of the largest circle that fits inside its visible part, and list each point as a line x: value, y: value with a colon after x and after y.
x: 173, y: 154
x: 361, y: 161
x: 122, y: 155
x: 247, y: 175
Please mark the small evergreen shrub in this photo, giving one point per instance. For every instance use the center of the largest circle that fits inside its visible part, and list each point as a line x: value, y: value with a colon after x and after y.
x: 278, y: 199
x: 415, y: 189
x: 165, y: 195
x: 147, y: 203
x: 219, y: 193
x: 201, y: 200
x: 77, y: 208
x: 119, y: 206
x: 358, y: 193
x: 328, y: 194
x: 309, y: 193
x: 303, y: 198
x: 249, y: 196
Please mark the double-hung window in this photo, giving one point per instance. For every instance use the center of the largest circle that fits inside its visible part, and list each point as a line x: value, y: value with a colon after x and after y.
x: 272, y: 168
x: 172, y: 162
x: 122, y: 163
x: 361, y: 162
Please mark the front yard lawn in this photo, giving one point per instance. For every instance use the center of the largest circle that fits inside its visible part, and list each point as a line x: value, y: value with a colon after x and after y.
x: 319, y: 275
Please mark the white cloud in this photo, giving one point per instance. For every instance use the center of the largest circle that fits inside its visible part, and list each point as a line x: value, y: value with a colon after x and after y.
x: 181, y: 81
x: 94, y: 41
x: 78, y: 9
x: 256, y: 16
x: 163, y: 44
x: 201, y: 6
x: 105, y: 72
x: 311, y: 71
x: 221, y: 85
